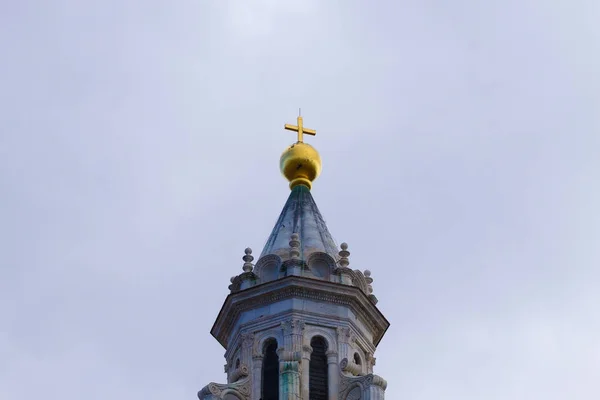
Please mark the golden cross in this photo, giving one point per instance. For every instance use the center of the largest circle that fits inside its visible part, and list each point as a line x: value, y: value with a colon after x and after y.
x: 300, y: 129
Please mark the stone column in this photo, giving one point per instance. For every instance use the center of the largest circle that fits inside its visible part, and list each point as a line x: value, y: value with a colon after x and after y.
x: 290, y: 355
x: 257, y: 362
x: 333, y: 374
x: 375, y: 393
x: 289, y: 380
x: 305, y: 372
x: 376, y: 390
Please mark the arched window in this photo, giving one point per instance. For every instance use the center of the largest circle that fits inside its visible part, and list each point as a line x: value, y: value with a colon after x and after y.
x: 356, y: 359
x: 318, y: 382
x: 270, y: 371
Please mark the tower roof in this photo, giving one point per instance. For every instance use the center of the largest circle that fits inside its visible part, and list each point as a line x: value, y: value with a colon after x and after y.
x: 300, y: 215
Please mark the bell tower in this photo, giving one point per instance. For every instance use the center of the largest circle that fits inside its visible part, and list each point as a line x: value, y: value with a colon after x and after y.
x: 299, y: 323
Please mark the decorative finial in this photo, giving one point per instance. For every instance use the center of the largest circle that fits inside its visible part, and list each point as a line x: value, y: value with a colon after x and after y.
x: 295, y: 246
x: 248, y: 260
x: 369, y: 280
x: 300, y: 163
x: 344, y: 253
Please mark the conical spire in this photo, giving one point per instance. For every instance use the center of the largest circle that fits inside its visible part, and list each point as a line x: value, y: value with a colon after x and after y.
x: 300, y: 215
x: 300, y: 163
x: 301, y: 286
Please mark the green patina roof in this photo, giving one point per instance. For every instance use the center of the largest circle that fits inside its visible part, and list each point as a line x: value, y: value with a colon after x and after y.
x: 300, y: 215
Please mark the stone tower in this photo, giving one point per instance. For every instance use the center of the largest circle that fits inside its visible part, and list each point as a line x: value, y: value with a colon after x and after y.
x: 300, y: 323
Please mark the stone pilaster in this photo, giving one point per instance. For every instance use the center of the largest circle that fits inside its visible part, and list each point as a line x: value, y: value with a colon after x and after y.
x: 306, y: 352
x: 333, y: 374
x: 291, y: 349
x: 247, y: 345
x: 257, y: 362
x: 290, y: 355
x: 293, y: 331
x: 344, y: 340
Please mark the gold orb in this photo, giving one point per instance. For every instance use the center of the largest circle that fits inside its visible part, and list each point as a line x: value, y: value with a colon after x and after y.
x: 300, y: 164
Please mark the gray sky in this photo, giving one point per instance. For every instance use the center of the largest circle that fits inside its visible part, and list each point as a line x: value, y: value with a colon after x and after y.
x: 139, y: 146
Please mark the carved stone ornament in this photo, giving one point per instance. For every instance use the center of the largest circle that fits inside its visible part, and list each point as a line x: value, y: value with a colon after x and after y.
x: 256, y: 354
x: 293, y: 326
x: 247, y: 339
x: 344, y: 253
x: 241, y: 389
x: 354, y: 394
x: 289, y: 366
x: 350, y: 367
x: 373, y: 299
x: 294, y: 246
x: 240, y: 372
x: 236, y: 281
x: 371, y: 360
x: 286, y: 355
x: 248, y: 266
x: 348, y: 383
x: 343, y: 334
x: 332, y: 357
x: 215, y: 389
x: 352, y: 339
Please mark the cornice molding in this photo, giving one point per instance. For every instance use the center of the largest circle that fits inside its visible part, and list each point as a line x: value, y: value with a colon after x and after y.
x: 297, y: 287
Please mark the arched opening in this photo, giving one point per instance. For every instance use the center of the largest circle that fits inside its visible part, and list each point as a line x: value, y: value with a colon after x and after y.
x: 269, y: 272
x: 318, y: 382
x: 270, y: 371
x: 356, y: 359
x: 320, y: 269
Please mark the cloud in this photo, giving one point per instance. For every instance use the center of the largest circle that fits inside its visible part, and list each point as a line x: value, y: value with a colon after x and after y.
x: 257, y: 18
x: 139, y: 147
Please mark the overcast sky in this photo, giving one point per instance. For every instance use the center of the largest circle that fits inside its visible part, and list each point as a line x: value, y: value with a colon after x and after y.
x: 139, y: 148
